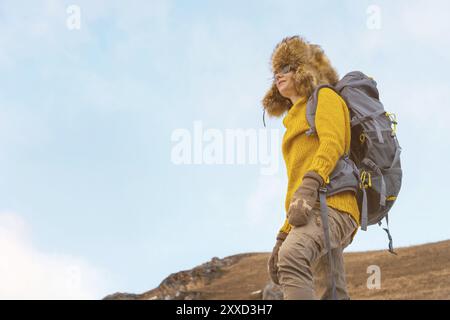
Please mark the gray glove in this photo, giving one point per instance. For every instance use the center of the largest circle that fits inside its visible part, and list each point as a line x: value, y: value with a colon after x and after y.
x: 273, y: 260
x: 304, y: 199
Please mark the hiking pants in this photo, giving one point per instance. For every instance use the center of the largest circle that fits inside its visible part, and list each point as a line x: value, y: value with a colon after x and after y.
x: 303, y: 269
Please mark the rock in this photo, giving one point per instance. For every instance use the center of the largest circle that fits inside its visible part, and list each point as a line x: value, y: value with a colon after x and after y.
x: 121, y: 296
x: 272, y: 291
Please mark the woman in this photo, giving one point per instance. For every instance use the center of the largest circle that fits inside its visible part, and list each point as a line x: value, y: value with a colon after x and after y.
x: 298, y: 261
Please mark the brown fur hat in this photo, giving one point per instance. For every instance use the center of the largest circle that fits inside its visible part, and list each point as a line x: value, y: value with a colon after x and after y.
x: 312, y: 68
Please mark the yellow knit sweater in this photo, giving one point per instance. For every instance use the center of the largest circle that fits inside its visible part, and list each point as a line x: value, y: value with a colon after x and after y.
x: 319, y: 152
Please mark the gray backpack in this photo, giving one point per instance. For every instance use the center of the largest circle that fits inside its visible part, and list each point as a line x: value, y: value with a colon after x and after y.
x: 372, y: 169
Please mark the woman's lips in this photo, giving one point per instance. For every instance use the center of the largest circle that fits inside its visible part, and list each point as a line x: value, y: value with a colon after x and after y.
x: 281, y: 81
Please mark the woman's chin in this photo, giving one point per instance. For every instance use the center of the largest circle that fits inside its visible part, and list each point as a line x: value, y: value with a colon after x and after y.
x: 281, y: 90
x: 283, y: 93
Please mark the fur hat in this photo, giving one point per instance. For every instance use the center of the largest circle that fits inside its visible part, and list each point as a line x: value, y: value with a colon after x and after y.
x: 312, y: 68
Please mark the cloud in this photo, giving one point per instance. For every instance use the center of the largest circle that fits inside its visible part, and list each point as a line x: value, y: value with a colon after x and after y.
x: 29, y: 273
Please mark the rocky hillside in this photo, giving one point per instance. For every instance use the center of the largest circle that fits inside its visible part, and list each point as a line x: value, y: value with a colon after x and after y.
x: 417, y: 272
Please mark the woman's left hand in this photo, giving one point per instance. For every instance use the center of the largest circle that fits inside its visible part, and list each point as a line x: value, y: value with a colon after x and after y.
x: 304, y: 199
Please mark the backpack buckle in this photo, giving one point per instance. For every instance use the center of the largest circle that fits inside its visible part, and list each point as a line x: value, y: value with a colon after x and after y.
x: 365, y: 175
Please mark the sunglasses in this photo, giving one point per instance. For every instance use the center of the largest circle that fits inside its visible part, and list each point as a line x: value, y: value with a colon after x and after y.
x: 287, y: 68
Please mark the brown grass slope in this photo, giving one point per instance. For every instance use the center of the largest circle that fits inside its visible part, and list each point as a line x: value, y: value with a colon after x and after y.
x: 417, y: 272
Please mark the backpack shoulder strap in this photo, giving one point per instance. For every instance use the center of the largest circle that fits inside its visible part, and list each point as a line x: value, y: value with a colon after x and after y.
x: 311, y: 107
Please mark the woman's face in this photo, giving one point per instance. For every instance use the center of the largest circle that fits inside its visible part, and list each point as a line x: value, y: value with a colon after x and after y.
x: 284, y: 79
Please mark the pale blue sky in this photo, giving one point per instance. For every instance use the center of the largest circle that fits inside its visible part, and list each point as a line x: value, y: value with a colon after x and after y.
x: 86, y: 118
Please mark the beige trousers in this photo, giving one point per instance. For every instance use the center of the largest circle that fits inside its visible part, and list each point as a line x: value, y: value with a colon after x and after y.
x: 303, y: 269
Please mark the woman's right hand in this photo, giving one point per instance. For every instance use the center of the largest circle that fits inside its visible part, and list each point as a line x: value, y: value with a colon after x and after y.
x: 273, y: 260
